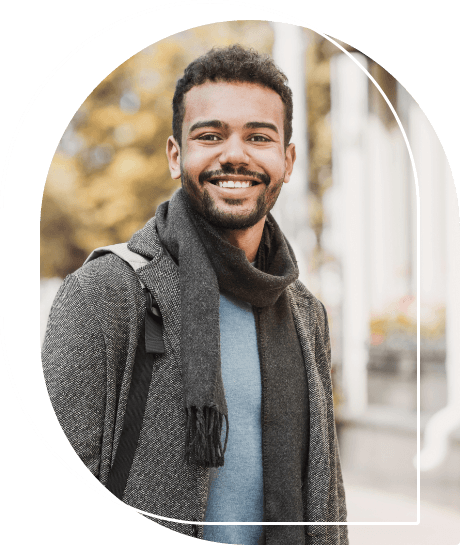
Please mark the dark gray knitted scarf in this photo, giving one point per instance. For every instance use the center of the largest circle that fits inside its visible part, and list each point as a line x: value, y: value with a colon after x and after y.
x: 209, y: 264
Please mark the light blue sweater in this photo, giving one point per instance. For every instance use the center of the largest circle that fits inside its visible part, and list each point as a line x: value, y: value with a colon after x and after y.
x: 236, y: 490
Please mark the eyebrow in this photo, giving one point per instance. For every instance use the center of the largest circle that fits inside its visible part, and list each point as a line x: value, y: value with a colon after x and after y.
x: 217, y: 124
x: 260, y: 125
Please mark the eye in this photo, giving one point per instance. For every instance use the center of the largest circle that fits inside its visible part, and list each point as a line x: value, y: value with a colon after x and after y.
x: 209, y: 137
x: 259, y: 138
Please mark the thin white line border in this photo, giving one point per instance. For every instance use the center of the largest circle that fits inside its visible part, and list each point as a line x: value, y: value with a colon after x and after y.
x: 4, y: 173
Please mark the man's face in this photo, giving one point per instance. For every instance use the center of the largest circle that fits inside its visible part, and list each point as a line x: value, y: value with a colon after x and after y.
x: 232, y: 161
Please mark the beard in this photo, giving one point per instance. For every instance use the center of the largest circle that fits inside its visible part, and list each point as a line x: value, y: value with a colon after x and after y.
x: 202, y: 202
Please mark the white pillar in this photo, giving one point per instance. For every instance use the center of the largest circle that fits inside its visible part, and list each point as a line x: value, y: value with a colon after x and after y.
x: 290, y: 211
x: 430, y: 160
x: 389, y: 228
x: 349, y: 116
x: 440, y: 426
x: 405, y: 103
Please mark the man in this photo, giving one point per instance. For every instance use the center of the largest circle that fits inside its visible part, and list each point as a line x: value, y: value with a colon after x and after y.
x: 237, y: 423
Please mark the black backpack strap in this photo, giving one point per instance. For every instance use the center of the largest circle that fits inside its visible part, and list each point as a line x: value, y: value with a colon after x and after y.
x: 150, y: 343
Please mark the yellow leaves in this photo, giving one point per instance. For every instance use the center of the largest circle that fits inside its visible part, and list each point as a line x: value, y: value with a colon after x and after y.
x: 117, y: 210
x: 128, y: 165
x: 401, y: 318
x: 145, y: 124
x: 315, y: 212
x: 319, y: 133
x: 108, y: 117
x: 126, y: 229
x: 125, y: 129
x: 166, y: 51
x: 320, y: 73
x: 318, y: 99
x: 95, y: 194
x: 90, y: 239
x: 256, y: 34
x: 124, y: 134
x: 379, y: 326
x: 323, y: 137
x: 62, y: 174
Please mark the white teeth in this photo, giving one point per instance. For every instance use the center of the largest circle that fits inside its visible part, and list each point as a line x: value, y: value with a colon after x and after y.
x: 232, y: 184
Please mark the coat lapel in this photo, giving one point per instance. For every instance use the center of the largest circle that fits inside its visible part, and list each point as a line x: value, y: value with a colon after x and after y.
x: 318, y: 463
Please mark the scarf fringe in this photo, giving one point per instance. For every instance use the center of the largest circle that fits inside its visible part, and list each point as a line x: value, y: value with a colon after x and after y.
x: 203, y: 445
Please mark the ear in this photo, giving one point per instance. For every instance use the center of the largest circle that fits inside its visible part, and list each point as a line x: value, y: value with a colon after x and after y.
x: 173, y: 153
x: 289, y: 159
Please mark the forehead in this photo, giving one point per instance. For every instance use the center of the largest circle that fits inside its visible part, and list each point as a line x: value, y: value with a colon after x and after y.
x: 234, y: 103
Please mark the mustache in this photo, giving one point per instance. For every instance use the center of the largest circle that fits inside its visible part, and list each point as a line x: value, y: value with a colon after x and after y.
x: 209, y: 174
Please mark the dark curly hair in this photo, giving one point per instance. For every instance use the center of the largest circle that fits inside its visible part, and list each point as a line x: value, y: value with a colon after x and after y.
x: 234, y: 63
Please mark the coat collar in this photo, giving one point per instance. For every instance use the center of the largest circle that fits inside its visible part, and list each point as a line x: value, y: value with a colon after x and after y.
x: 146, y: 241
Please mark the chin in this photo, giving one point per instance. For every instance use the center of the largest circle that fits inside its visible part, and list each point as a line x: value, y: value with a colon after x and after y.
x: 202, y: 202
x: 228, y: 221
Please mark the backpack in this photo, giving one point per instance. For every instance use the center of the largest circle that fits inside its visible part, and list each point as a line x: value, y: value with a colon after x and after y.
x: 150, y: 342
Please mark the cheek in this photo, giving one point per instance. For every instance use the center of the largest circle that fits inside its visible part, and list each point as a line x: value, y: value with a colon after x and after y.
x: 273, y: 190
x: 198, y: 160
x: 273, y: 164
x: 188, y: 181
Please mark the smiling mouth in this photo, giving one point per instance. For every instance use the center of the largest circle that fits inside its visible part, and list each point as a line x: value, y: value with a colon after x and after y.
x: 239, y: 178
x: 232, y: 184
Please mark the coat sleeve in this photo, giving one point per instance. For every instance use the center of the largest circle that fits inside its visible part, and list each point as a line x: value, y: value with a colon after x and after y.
x: 341, y: 510
x: 74, y: 364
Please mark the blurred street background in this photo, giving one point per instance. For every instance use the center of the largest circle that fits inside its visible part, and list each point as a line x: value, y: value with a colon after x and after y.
x: 350, y: 212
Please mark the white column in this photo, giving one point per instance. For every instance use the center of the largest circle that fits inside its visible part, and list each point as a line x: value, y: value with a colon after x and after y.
x: 389, y: 237
x: 405, y: 102
x: 430, y: 160
x: 290, y: 211
x: 349, y: 116
x: 444, y: 422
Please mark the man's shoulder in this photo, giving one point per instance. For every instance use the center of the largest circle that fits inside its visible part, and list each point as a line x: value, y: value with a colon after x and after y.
x: 304, y: 299
x: 104, y: 285
x: 105, y: 268
x: 113, y: 266
x: 302, y: 295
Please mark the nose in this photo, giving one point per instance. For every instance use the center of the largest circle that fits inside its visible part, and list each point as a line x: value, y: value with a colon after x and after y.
x: 233, y: 152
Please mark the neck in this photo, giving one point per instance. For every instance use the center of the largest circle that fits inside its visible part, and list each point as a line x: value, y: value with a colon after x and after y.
x: 247, y: 240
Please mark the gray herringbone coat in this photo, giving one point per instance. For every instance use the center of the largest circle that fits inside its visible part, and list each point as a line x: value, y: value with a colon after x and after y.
x: 88, y: 355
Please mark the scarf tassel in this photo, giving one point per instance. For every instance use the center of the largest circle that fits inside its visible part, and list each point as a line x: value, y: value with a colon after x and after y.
x: 203, y: 437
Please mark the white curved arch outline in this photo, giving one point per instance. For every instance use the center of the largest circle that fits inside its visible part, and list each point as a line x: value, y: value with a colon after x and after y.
x: 5, y: 170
